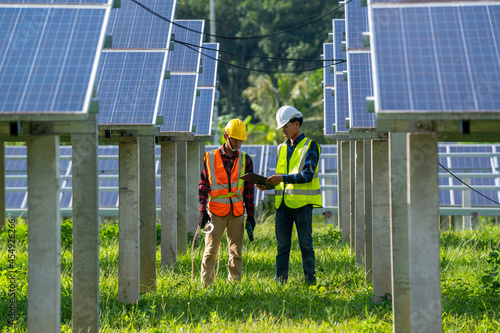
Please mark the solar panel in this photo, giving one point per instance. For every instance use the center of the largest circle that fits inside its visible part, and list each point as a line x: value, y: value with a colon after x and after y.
x: 177, y: 103
x: 439, y: 58
x: 128, y: 87
x: 356, y: 18
x: 329, y: 111
x: 60, y: 2
x: 209, y: 56
x: 341, y: 103
x: 360, y: 86
x: 184, y: 58
x: 48, y: 60
x: 131, y: 26
x: 338, y: 32
x: 203, y: 109
x: 328, y: 72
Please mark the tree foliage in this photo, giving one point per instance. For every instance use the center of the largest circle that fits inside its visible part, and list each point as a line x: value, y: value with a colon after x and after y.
x: 259, y: 93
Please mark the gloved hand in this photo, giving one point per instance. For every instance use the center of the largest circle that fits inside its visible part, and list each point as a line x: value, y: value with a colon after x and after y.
x: 250, y: 226
x: 203, y: 219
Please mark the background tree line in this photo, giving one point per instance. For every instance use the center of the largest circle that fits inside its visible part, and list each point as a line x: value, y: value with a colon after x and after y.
x: 254, y: 96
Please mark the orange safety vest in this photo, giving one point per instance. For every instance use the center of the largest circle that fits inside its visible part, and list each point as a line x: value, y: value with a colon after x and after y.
x: 220, y: 196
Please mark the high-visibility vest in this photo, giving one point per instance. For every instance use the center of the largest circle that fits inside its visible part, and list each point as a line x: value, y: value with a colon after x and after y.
x: 297, y: 195
x: 222, y: 192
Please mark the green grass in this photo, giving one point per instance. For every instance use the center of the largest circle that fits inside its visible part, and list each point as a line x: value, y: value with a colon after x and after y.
x: 341, y: 301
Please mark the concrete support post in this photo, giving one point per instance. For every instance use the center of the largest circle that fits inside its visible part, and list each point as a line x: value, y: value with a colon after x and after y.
x: 467, y: 203
x: 367, y: 161
x: 181, y: 196
x: 457, y: 222
x: 400, y: 253
x: 128, y: 211
x: 147, y: 212
x: 168, y: 203
x: 345, y: 191
x: 474, y: 220
x: 423, y: 217
x: 85, y: 233
x: 2, y: 184
x: 444, y: 222
x: 352, y: 194
x: 381, y: 231
x: 193, y: 170
x: 44, y: 235
x: 359, y: 226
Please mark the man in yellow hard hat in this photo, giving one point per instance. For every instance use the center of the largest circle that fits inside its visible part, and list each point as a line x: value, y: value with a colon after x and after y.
x: 223, y: 198
x: 297, y: 192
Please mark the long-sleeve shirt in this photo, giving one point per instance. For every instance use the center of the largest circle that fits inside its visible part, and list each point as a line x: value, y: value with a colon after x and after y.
x: 312, y: 158
x: 248, y: 189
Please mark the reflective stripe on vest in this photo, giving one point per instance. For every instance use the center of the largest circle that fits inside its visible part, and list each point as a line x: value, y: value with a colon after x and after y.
x: 220, y: 198
x: 297, y: 195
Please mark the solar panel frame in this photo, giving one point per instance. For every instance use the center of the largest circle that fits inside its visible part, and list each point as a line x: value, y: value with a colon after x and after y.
x: 50, y: 61
x: 132, y: 27
x: 475, y: 97
x: 128, y: 87
x: 360, y: 86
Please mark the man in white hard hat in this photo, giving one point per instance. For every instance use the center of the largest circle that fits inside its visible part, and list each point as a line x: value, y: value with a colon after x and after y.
x: 297, y: 192
x: 223, y: 198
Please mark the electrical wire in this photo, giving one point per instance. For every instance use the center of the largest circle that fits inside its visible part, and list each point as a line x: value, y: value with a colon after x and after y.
x: 258, y: 70
x: 451, y: 173
x: 244, y: 37
x: 260, y: 57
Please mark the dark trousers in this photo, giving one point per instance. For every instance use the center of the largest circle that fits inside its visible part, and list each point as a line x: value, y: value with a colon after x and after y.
x: 285, y: 217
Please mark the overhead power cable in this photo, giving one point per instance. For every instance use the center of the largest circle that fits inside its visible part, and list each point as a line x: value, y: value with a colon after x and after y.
x: 451, y: 173
x: 253, y: 69
x: 256, y: 56
x: 244, y: 37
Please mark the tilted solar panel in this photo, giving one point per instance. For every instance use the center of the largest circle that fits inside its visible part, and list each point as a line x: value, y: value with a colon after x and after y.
x: 328, y: 72
x: 177, y: 103
x: 203, y: 109
x: 186, y: 58
x: 356, y: 20
x: 60, y: 2
x: 132, y: 27
x: 438, y: 58
x: 360, y: 86
x: 338, y: 32
x: 341, y: 103
x: 209, y: 56
x: 128, y: 87
x: 48, y: 60
x: 329, y: 111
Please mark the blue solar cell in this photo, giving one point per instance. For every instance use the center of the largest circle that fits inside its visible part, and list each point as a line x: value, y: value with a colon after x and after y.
x: 356, y: 18
x: 203, y: 109
x: 338, y: 31
x: 184, y: 58
x: 440, y: 59
x: 209, y: 54
x: 341, y: 103
x: 329, y: 111
x: 131, y: 26
x: 177, y: 103
x: 328, y: 74
x: 128, y: 84
x: 360, y: 86
x: 48, y: 59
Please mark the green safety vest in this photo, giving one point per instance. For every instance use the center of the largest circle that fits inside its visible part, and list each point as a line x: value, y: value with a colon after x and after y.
x: 297, y: 195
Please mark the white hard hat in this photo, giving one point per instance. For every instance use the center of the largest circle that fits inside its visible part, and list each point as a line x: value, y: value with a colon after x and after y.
x: 285, y: 113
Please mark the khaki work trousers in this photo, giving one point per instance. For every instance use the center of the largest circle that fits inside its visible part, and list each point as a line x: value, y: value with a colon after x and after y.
x: 234, y: 227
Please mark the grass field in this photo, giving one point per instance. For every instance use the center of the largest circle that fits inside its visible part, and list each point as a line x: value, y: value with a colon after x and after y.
x: 340, y: 302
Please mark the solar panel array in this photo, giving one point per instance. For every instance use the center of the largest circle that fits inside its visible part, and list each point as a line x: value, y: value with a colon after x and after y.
x: 49, y: 57
x: 436, y: 58
x: 131, y: 73
x: 205, y: 100
x: 478, y: 162
x: 179, y: 91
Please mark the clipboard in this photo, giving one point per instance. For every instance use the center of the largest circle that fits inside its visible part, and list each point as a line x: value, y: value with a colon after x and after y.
x: 254, y: 178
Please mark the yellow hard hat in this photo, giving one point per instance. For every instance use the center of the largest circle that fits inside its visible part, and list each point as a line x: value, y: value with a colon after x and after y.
x: 235, y: 128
